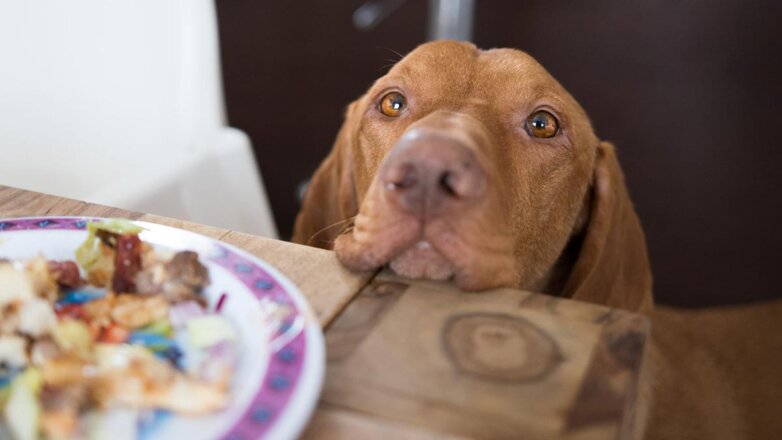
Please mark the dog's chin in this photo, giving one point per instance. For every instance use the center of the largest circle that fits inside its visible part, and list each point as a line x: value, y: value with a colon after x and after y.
x: 422, y: 260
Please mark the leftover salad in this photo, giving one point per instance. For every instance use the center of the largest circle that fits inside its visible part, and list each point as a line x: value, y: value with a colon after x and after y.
x: 118, y: 335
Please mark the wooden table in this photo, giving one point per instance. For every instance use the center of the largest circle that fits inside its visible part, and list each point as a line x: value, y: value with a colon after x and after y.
x: 422, y: 360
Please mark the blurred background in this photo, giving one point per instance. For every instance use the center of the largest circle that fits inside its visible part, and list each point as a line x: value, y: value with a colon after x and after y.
x: 689, y: 91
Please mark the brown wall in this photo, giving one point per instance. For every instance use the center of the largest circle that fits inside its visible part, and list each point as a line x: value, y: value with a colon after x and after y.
x: 689, y: 92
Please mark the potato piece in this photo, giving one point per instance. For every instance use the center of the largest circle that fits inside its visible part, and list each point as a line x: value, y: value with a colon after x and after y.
x: 13, y: 351
x: 15, y: 285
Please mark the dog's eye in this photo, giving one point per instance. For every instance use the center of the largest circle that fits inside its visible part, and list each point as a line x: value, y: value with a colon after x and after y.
x: 393, y: 104
x: 542, y: 124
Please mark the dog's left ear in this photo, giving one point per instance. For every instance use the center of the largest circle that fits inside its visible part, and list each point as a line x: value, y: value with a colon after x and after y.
x: 613, y: 266
x: 330, y: 199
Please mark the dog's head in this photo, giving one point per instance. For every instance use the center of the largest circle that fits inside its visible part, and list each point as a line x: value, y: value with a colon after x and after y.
x: 475, y: 166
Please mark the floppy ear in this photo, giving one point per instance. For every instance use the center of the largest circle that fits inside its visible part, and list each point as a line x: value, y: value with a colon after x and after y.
x: 612, y: 266
x: 330, y: 199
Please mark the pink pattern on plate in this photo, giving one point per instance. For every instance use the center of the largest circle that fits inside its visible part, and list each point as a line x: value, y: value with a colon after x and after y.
x: 285, y: 365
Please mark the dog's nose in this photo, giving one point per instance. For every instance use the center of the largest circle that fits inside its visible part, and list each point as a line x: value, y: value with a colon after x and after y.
x: 426, y: 174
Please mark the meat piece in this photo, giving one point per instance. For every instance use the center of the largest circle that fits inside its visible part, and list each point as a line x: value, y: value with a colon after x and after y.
x: 186, y: 269
x: 176, y: 292
x: 179, y: 279
x: 185, y: 276
x: 127, y: 263
x: 99, y: 310
x: 65, y: 273
x: 134, y: 311
x: 183, y: 395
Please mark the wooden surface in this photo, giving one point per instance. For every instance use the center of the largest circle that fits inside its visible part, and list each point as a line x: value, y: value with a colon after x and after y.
x: 503, y: 364
x: 422, y: 360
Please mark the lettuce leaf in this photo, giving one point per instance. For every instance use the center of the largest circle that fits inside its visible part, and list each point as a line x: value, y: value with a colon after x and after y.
x: 88, y: 252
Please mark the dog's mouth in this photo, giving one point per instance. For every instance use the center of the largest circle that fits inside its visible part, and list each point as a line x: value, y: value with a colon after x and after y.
x: 422, y: 260
x: 427, y: 251
x: 408, y: 255
x: 400, y: 244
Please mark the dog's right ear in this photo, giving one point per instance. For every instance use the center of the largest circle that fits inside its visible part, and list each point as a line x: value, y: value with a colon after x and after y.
x: 330, y: 199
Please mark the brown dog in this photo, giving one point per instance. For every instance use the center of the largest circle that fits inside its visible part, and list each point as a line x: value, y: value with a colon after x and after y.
x: 477, y: 166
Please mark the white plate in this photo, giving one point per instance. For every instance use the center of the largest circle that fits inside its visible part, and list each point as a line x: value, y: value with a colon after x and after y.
x: 280, y: 371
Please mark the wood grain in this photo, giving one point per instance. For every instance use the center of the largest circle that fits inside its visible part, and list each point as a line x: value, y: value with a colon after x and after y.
x: 331, y: 422
x: 20, y: 203
x: 500, y: 347
x: 503, y: 364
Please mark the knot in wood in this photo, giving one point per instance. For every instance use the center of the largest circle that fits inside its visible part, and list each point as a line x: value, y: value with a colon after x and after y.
x: 500, y: 347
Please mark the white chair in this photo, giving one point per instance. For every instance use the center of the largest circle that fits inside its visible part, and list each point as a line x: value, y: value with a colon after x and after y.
x: 120, y: 103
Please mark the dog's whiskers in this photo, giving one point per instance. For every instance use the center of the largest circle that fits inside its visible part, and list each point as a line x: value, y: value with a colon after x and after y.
x: 347, y: 225
x: 393, y: 52
x: 391, y: 62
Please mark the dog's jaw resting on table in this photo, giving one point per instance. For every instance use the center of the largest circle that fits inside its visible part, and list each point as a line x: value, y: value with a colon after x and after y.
x: 551, y: 215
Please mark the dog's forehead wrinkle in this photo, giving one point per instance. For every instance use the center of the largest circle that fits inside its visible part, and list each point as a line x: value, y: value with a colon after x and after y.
x: 447, y: 65
x: 512, y: 61
x: 477, y: 101
x: 520, y: 73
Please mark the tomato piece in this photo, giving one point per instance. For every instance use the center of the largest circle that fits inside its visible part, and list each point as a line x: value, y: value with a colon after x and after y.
x: 95, y: 330
x: 115, y: 334
x: 74, y: 311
